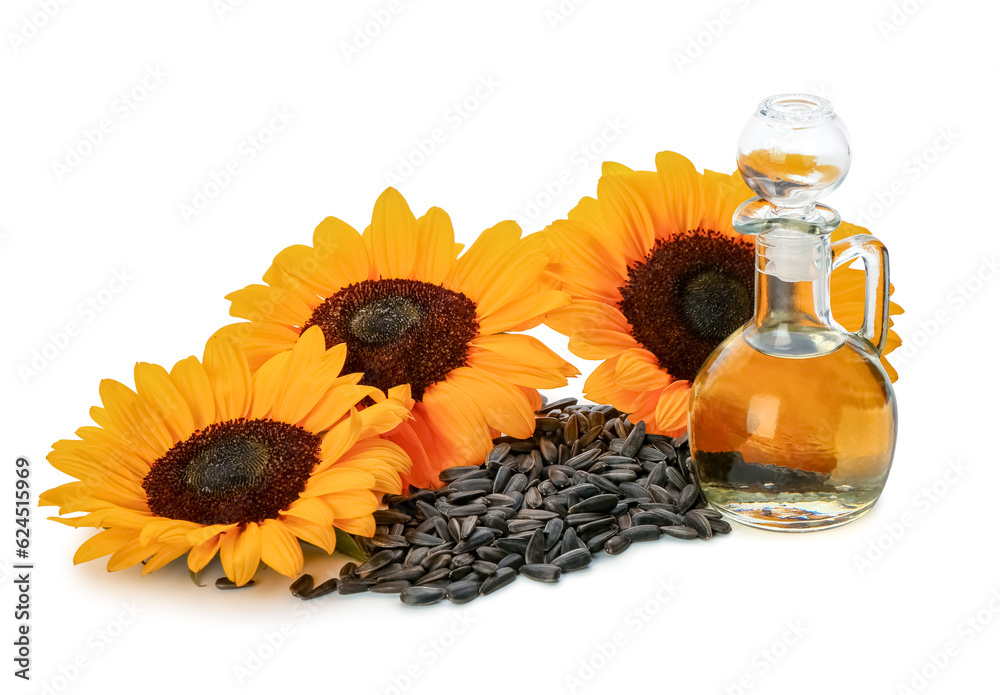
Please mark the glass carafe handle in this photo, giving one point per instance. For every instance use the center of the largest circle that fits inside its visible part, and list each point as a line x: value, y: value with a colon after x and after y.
x: 875, y: 328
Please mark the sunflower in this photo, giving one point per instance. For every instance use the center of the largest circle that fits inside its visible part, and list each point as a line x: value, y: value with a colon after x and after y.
x: 659, y: 278
x: 206, y: 459
x: 412, y: 311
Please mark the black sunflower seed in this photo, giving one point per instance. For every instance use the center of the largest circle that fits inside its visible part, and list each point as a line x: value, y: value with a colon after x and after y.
x: 302, y: 586
x: 440, y: 573
x: 384, y: 540
x: 646, y: 532
x: 485, y: 568
x: 324, y: 589
x: 682, y: 532
x: 456, y: 472
x: 573, y: 560
x: 542, y: 572
x: 391, y: 516
x: 390, y: 587
x: 426, y: 539
x: 616, y: 545
x: 595, y: 504
x: 514, y: 561
x: 534, y: 553
x: 421, y: 595
x: 634, y: 439
x: 501, y: 578
x: 481, y: 536
x: 462, y: 591
x: 379, y: 560
x: 597, y: 541
x: 688, y: 497
x: 354, y: 586
x: 553, y: 532
x: 720, y: 526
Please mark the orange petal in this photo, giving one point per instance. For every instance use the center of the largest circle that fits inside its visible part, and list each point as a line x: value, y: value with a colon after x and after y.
x: 672, y: 407
x: 639, y: 370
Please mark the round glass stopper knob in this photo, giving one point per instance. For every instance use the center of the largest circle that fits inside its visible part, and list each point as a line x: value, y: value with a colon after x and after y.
x: 794, y: 150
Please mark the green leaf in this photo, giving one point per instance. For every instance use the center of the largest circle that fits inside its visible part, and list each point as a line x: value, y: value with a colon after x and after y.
x: 196, y: 578
x: 348, y: 547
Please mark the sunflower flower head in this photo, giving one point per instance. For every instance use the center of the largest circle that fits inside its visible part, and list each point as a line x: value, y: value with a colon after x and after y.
x: 658, y: 278
x: 412, y: 309
x: 210, y: 459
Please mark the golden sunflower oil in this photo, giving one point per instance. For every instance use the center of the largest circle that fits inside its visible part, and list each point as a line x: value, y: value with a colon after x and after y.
x: 793, y: 443
x: 793, y: 418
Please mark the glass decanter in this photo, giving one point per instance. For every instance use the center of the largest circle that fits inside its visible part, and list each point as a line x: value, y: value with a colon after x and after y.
x: 793, y: 418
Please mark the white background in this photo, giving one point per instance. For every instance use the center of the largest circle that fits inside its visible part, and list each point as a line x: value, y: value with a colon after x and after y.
x: 914, y: 82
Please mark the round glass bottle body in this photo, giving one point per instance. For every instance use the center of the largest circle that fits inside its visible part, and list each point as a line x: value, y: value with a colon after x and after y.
x: 793, y: 418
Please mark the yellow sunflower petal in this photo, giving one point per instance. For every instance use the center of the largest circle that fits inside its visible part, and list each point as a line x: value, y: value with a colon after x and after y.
x: 165, y: 556
x: 310, y: 509
x: 240, y: 553
x: 191, y: 381
x: 258, y: 341
x: 131, y: 554
x: 298, y: 269
x: 342, y: 252
x: 267, y: 382
x: 199, y: 535
x: 153, y: 384
x: 457, y: 422
x: 475, y: 268
x: 503, y: 405
x: 341, y: 438
x: 201, y: 554
x: 352, y: 503
x: 280, y: 549
x: 269, y: 304
x: 337, y: 480
x: 681, y: 189
x: 229, y: 374
x: 104, y: 543
x: 360, y: 526
x: 626, y: 218
x: 309, y: 373
x: 334, y: 405
x: 131, y: 420
x: 436, y: 249
x: 168, y: 531
x: 524, y: 313
x: 324, y: 537
x: 392, y: 237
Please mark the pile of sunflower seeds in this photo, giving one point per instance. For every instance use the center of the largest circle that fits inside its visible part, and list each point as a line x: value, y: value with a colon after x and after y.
x: 587, y: 481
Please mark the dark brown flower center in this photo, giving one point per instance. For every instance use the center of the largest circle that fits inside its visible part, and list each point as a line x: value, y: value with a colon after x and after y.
x: 687, y: 296
x: 232, y: 472
x: 399, y: 331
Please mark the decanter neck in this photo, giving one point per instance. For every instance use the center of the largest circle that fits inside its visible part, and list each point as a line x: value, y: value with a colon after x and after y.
x: 793, y: 280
